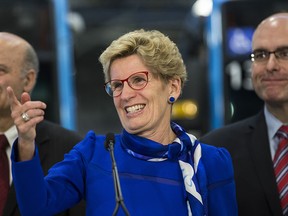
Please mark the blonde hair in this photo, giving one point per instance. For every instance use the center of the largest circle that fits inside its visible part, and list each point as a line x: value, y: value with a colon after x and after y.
x: 157, y: 51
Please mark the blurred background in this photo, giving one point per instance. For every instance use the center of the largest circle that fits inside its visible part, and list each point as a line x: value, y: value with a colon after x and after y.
x: 214, y: 38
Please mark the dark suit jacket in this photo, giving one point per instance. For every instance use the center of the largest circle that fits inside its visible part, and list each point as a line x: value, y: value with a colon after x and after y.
x: 53, y: 142
x: 247, y: 142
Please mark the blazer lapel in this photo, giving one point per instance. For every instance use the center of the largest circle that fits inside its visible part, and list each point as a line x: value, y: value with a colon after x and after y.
x: 261, y: 157
x: 11, y: 205
x: 40, y: 141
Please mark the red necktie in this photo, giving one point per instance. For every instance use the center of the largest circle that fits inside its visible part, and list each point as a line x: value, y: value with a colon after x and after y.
x: 281, y: 167
x: 4, y: 172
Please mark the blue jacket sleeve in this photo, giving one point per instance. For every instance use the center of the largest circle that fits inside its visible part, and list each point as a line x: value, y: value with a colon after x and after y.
x: 61, y: 189
x: 221, y: 184
x: 29, y: 185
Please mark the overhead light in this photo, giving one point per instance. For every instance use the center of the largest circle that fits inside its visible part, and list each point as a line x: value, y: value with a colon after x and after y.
x: 202, y: 7
x: 76, y: 22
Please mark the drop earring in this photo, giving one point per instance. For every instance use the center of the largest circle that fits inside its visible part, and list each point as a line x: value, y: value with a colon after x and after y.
x: 171, y: 100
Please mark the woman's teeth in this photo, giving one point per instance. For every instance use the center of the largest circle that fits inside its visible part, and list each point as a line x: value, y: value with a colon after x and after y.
x: 135, y: 108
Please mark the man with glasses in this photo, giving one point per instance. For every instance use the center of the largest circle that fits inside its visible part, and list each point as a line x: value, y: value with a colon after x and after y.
x: 260, y: 157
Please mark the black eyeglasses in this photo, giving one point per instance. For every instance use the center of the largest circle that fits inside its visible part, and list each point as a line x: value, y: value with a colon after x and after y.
x: 264, y: 55
x: 136, y: 81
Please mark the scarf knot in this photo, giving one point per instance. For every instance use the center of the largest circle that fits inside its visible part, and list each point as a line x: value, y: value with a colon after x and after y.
x: 174, y: 151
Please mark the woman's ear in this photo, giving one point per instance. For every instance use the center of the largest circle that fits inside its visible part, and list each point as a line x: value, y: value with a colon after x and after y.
x: 176, y: 87
x: 30, y: 80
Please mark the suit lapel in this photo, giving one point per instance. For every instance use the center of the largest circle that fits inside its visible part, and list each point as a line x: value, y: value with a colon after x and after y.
x: 40, y: 141
x: 11, y: 205
x: 261, y: 157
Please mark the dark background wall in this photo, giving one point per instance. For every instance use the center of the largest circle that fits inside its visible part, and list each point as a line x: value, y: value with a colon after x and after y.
x: 95, y: 23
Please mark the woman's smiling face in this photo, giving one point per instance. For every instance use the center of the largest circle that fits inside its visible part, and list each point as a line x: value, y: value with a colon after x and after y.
x: 146, y: 111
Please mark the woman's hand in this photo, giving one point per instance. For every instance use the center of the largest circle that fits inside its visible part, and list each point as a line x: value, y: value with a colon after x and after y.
x: 26, y: 114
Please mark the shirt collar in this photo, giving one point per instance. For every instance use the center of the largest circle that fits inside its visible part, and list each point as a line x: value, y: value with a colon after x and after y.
x: 273, y: 124
x: 11, y: 135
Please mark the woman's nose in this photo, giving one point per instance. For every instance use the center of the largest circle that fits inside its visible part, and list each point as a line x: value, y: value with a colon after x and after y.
x: 127, y: 91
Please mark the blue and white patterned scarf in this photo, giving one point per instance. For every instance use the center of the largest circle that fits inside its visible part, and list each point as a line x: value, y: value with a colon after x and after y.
x: 187, y: 150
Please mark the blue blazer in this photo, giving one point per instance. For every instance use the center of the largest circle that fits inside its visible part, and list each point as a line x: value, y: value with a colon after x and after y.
x: 148, y: 188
